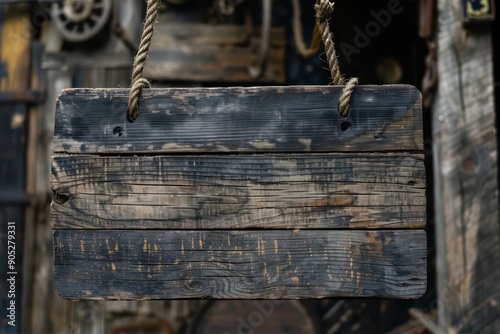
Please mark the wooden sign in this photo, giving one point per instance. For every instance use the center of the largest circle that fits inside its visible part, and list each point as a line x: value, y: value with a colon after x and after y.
x: 261, y: 192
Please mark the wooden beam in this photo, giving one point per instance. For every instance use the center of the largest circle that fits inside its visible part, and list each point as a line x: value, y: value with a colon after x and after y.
x: 213, y: 53
x: 257, y: 119
x: 466, y: 184
x: 235, y: 192
x: 208, y: 35
x: 160, y: 264
x: 48, y: 312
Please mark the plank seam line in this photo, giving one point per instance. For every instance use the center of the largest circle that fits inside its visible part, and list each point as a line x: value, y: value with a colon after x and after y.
x: 59, y: 154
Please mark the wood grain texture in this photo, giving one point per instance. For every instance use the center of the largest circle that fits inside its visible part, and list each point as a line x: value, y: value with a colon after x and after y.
x: 159, y: 264
x: 466, y: 178
x: 239, y: 191
x: 258, y: 119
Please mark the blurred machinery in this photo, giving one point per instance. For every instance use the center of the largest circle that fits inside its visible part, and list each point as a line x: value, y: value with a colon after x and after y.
x: 196, y: 41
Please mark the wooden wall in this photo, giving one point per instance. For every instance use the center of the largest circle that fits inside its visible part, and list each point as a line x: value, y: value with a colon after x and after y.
x: 465, y: 171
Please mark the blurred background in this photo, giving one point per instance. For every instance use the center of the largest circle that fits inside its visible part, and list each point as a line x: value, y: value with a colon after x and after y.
x: 47, y: 46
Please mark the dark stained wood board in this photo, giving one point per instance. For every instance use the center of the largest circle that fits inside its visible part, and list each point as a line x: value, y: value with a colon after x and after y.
x: 256, y: 119
x: 159, y: 264
x: 259, y: 179
x: 319, y: 191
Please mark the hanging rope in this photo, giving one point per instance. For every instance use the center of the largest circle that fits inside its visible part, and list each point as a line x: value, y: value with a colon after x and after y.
x: 324, y: 10
x: 302, y: 49
x: 138, y: 82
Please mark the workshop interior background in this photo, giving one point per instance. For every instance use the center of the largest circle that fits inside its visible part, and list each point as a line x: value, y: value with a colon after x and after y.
x: 210, y: 44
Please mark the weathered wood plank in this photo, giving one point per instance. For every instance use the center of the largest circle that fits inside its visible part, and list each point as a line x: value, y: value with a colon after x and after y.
x: 47, y: 312
x: 258, y: 119
x: 466, y: 178
x: 239, y: 191
x: 159, y: 264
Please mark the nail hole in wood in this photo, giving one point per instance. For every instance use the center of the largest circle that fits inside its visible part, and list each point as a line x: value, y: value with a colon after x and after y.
x: 345, y: 125
x: 118, y: 131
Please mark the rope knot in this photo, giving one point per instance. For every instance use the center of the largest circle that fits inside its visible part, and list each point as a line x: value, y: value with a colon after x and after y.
x: 324, y: 10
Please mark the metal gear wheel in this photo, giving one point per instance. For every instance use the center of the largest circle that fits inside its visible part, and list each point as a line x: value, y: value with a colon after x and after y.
x: 80, y: 20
